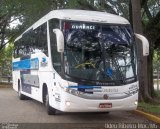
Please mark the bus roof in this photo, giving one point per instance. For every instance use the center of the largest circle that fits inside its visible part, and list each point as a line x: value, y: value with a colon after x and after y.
x: 79, y: 15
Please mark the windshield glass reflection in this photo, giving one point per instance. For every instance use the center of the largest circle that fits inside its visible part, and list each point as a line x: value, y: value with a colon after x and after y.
x: 99, y: 52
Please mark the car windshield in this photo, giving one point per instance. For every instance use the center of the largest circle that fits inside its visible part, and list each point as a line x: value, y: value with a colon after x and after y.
x: 99, y: 52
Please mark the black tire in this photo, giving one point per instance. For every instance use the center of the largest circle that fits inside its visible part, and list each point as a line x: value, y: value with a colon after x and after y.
x: 106, y: 112
x: 103, y: 112
x: 20, y: 95
x: 50, y: 110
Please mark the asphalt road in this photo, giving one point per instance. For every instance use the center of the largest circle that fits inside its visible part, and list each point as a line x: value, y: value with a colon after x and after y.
x: 13, y: 110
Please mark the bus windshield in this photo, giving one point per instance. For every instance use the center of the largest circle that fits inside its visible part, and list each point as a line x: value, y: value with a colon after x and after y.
x: 99, y: 52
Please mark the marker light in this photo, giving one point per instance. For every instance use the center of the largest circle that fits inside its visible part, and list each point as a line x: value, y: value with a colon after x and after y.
x: 136, y: 102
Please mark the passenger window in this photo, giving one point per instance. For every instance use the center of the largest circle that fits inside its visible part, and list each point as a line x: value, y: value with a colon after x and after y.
x: 31, y: 42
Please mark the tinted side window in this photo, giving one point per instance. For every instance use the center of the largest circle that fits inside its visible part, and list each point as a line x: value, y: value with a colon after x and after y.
x: 31, y: 42
x: 19, y: 49
x: 40, y: 39
x: 16, y: 49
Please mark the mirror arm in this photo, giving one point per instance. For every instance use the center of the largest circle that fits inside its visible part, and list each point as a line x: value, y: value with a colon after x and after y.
x: 60, y: 40
x: 145, y: 44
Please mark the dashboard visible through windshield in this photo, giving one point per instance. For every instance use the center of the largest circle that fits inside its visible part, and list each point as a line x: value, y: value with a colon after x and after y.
x: 99, y: 52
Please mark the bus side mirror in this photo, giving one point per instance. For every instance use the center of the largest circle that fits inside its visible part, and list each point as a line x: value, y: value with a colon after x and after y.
x: 60, y: 40
x: 145, y: 44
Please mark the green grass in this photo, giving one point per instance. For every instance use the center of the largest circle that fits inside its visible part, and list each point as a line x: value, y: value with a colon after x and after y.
x: 150, y: 108
x: 157, y: 93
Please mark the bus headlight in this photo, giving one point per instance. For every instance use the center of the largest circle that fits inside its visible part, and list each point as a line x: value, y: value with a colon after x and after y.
x: 73, y: 91
x: 67, y: 90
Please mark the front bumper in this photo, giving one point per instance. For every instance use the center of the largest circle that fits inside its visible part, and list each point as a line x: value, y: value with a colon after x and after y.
x: 71, y: 103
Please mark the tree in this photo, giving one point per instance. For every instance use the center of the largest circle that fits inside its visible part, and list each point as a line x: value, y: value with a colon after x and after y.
x: 146, y: 75
x: 27, y: 12
x: 137, y: 26
x: 151, y: 22
x: 5, y: 60
x: 7, y: 11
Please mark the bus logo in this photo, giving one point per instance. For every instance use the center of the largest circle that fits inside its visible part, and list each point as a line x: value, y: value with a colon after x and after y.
x: 105, y: 96
x: 44, y: 62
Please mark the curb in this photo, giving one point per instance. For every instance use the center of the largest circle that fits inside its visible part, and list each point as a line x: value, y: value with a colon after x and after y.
x: 148, y: 116
x: 5, y: 86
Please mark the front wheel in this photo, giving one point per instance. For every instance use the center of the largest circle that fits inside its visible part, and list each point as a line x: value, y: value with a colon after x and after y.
x: 50, y: 110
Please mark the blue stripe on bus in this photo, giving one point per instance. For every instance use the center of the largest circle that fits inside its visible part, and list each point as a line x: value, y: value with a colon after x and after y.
x: 26, y: 64
x: 84, y: 87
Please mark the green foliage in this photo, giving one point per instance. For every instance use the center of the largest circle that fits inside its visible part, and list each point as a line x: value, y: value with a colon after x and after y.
x: 8, y: 10
x: 151, y: 22
x: 119, y: 7
x: 27, y: 11
x: 154, y: 7
x: 5, y: 60
x: 72, y: 4
x: 33, y: 10
x: 157, y: 94
x: 156, y: 60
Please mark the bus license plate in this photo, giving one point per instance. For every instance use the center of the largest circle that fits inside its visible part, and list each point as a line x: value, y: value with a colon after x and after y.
x: 105, y: 105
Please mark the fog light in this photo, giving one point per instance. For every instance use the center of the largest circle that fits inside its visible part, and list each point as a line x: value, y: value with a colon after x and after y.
x: 68, y: 103
x: 136, y: 102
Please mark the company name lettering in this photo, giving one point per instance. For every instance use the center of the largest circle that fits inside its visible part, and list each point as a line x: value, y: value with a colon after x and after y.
x: 84, y: 27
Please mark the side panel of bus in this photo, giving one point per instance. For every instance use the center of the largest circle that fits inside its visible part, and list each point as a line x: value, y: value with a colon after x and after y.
x: 32, y: 66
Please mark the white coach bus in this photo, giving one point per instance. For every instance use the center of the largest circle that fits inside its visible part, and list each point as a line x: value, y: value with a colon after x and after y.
x: 78, y: 61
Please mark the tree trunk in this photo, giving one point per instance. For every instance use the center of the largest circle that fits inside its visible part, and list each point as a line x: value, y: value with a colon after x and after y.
x: 142, y: 61
x: 145, y: 90
x: 150, y: 73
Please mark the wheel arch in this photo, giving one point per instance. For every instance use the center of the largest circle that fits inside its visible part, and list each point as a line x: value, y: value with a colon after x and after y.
x: 19, y: 84
x: 44, y: 91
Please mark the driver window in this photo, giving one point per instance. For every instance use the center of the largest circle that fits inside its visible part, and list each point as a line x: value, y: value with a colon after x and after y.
x: 56, y: 56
